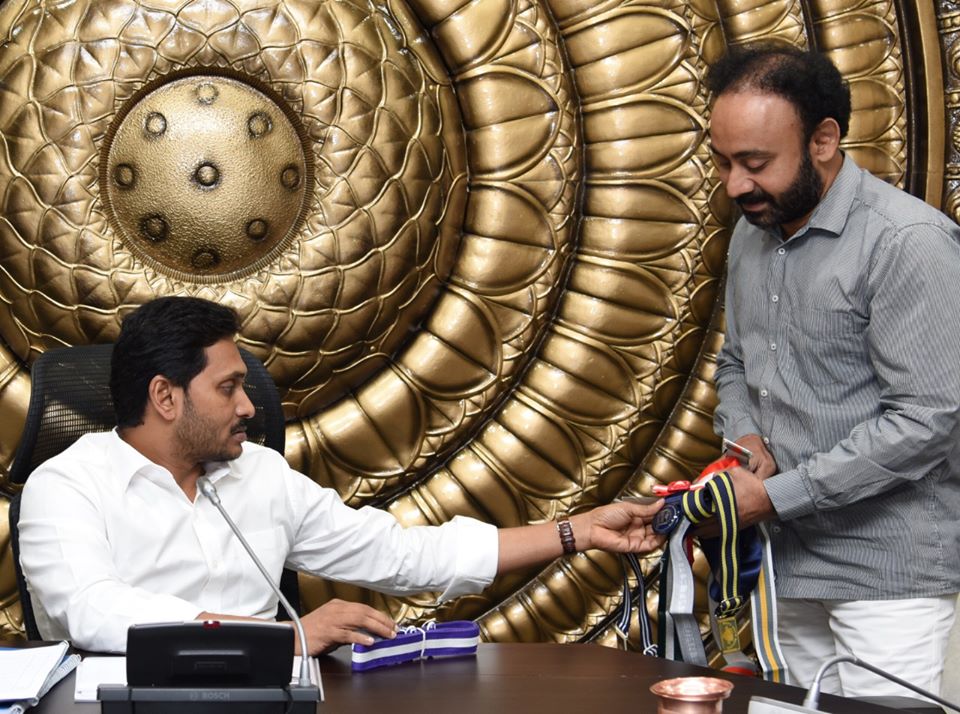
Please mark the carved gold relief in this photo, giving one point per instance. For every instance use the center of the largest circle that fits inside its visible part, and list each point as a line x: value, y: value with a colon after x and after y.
x: 11, y: 619
x: 479, y: 246
x: 949, y: 27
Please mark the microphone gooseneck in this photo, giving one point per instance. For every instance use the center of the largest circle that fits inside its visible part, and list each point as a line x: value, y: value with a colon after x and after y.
x: 812, y: 699
x: 210, y: 491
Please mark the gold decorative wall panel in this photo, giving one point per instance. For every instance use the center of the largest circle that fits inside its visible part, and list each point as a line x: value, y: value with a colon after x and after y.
x: 479, y: 245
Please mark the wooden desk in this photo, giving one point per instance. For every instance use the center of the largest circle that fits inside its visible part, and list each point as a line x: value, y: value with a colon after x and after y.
x: 504, y: 678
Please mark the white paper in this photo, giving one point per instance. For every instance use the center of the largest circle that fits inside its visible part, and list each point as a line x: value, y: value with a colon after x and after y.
x: 23, y: 671
x: 94, y: 671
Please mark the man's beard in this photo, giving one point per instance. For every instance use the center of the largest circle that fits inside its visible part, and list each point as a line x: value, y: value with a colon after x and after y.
x: 800, y: 198
x: 198, y: 437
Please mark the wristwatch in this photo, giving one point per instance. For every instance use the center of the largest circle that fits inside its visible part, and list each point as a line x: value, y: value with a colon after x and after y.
x: 566, y: 536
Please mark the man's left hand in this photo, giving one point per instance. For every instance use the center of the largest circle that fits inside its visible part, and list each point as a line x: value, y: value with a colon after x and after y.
x: 621, y: 527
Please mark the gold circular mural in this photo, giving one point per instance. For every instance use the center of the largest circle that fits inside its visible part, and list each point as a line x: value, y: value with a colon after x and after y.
x: 478, y: 245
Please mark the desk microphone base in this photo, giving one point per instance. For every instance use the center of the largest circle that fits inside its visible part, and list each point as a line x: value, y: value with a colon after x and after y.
x: 118, y: 699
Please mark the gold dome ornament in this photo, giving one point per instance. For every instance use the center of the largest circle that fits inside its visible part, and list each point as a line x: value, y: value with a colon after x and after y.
x: 206, y: 177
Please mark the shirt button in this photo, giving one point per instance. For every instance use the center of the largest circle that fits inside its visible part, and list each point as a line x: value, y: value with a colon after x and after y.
x: 775, y: 298
x: 781, y: 251
x: 766, y: 440
x: 773, y: 346
x: 775, y: 529
x: 763, y: 392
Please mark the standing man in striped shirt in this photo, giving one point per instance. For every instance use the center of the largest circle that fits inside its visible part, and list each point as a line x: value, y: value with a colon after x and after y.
x: 841, y: 373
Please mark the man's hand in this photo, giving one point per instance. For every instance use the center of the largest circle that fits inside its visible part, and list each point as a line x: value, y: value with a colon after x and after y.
x: 761, y: 463
x: 753, y: 503
x: 621, y: 527
x: 338, y: 622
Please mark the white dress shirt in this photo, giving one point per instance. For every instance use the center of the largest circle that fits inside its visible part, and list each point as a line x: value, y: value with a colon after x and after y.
x: 108, y: 540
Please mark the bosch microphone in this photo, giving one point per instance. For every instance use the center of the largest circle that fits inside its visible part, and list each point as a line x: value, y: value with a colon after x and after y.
x: 763, y: 705
x: 210, y: 491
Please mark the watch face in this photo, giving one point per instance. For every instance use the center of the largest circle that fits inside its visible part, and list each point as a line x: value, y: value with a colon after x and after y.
x: 666, y: 519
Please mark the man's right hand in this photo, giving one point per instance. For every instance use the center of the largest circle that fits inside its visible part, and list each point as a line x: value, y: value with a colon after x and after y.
x: 761, y: 463
x: 338, y: 622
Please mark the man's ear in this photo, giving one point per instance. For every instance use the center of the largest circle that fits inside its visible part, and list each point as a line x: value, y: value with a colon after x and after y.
x: 163, y: 397
x: 825, y: 142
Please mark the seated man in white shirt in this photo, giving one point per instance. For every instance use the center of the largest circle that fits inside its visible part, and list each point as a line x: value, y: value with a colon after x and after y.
x: 113, y: 533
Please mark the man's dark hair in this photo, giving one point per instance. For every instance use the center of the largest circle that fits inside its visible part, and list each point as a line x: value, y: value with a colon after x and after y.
x: 808, y: 80
x: 166, y: 336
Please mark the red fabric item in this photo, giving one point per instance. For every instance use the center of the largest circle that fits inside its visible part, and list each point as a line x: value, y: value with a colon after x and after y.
x: 721, y: 464
x: 741, y: 669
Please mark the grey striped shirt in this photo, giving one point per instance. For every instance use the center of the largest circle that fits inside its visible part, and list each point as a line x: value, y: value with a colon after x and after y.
x: 843, y: 351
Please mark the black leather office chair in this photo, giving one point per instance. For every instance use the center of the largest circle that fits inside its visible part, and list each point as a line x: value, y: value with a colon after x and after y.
x: 70, y: 396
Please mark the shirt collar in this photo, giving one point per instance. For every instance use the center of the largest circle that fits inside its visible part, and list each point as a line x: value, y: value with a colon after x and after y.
x: 831, y: 213
x: 128, y: 462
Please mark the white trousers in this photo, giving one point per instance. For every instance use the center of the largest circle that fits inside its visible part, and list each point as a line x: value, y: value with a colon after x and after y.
x: 906, y: 638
